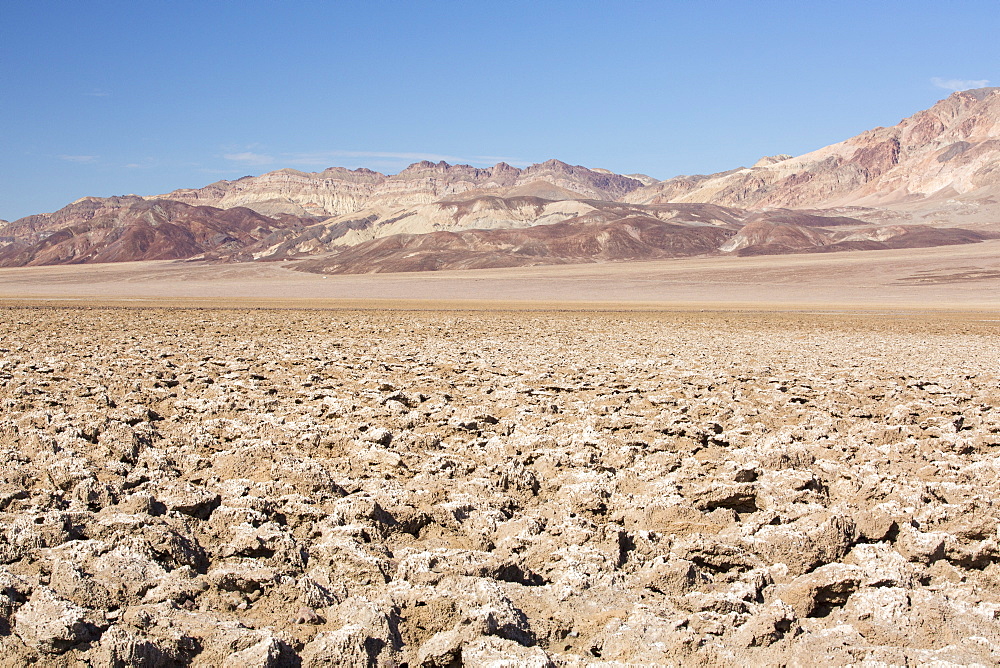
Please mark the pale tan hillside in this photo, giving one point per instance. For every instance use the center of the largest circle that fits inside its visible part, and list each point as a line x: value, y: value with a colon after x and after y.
x: 938, y: 163
x: 337, y: 191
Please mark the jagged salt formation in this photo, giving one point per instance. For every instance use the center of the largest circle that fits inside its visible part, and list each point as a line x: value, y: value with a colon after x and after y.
x: 276, y: 488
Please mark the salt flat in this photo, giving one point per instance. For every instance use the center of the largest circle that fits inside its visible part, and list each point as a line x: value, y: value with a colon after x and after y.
x: 253, y: 486
x: 950, y: 277
x: 723, y: 461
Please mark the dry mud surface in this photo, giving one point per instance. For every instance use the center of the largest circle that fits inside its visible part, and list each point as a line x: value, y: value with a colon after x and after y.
x: 387, y: 488
x: 966, y: 276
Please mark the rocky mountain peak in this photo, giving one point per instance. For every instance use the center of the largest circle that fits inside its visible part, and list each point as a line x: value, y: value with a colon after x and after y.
x: 338, y: 191
x: 952, y: 148
x: 504, y: 168
x: 771, y: 159
x: 948, y: 155
x: 425, y: 165
x: 979, y: 94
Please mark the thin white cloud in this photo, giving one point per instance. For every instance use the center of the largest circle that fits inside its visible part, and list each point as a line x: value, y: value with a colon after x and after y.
x: 249, y: 158
x: 959, y: 84
x: 81, y: 159
x: 144, y: 162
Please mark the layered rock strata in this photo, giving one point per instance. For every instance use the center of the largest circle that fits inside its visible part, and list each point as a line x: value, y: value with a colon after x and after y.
x: 337, y: 191
x: 949, y: 150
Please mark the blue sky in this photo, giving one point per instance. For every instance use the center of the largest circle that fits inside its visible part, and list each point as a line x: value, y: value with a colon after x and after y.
x: 106, y: 98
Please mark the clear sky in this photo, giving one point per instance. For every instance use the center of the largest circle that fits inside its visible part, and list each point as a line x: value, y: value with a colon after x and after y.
x: 106, y: 98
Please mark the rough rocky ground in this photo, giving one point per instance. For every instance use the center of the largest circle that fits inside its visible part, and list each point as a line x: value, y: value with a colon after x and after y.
x: 293, y: 487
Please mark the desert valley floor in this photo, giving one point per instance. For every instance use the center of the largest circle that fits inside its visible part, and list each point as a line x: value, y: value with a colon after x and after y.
x: 702, y: 462
x: 948, y: 277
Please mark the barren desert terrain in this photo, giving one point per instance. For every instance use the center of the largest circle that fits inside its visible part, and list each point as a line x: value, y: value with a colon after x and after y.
x: 473, y: 334
x: 945, y: 277
x: 253, y: 486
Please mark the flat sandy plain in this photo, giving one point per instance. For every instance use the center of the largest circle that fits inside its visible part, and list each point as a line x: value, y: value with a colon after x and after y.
x: 750, y: 461
x: 966, y: 276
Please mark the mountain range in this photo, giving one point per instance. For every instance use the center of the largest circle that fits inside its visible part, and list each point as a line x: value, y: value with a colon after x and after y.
x: 932, y: 179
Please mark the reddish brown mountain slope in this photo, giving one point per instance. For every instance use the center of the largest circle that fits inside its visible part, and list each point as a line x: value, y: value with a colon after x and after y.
x: 774, y: 237
x: 480, y: 213
x: 918, y: 182
x: 614, y: 233
x: 950, y: 150
x: 131, y: 228
x: 632, y: 238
